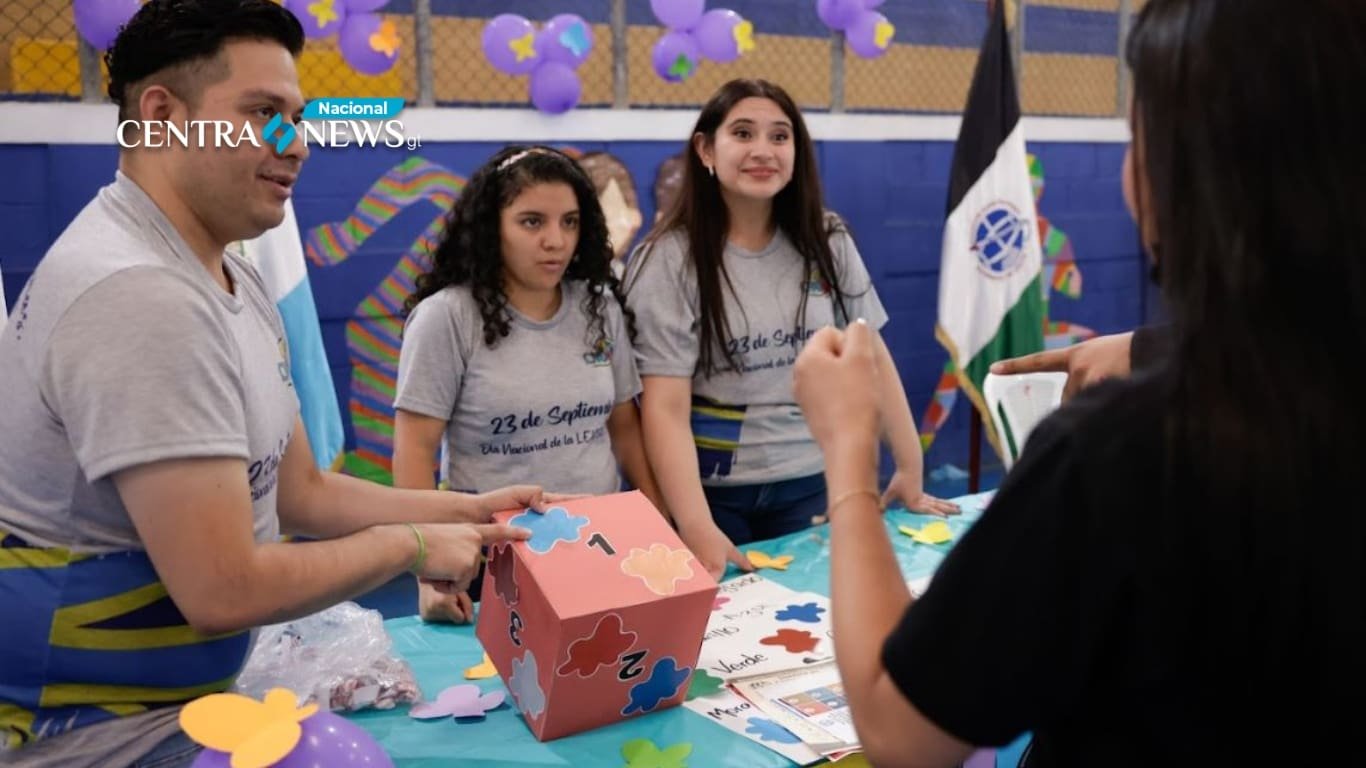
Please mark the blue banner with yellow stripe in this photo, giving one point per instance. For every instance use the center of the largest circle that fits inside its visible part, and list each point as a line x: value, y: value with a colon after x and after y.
x: 92, y: 637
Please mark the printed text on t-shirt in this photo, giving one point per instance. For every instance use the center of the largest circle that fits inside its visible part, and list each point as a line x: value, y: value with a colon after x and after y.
x: 783, y: 337
x: 557, y: 415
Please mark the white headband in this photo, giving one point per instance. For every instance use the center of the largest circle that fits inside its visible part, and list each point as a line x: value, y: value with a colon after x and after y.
x: 511, y: 161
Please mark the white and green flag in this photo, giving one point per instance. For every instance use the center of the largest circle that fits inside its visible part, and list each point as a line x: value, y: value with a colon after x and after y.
x: 990, y: 303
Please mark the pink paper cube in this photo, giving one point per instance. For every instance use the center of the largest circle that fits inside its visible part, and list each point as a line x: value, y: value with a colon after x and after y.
x: 598, y: 617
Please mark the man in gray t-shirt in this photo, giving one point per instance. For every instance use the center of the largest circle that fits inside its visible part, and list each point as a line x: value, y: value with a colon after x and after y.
x: 150, y: 445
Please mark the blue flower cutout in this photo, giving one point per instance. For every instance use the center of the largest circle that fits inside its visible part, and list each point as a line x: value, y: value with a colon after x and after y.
x: 767, y: 730
x: 807, y: 612
x: 525, y: 684
x: 665, y: 680
x: 554, y: 526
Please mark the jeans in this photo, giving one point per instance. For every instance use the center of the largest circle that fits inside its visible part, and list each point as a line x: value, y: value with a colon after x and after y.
x: 748, y: 513
x: 176, y: 751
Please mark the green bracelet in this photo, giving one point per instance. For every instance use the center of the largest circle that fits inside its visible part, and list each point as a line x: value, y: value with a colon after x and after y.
x: 421, y: 550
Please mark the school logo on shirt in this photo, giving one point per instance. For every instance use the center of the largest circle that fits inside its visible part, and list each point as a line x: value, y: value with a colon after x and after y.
x: 601, y: 354
x: 816, y: 285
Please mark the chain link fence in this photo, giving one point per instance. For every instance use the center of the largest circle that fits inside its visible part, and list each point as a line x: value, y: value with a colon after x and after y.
x: 39, y: 51
x: 1067, y: 55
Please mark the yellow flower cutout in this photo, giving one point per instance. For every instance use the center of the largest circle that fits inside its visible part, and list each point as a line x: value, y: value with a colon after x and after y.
x: 256, y: 733
x: 937, y: 532
x: 882, y: 33
x: 385, y: 39
x: 659, y: 567
x: 324, y: 11
x: 482, y: 670
x: 744, y: 36
x: 765, y: 560
x: 524, y: 46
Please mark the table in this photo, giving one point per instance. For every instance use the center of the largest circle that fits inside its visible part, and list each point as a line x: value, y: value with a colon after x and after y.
x: 439, y: 655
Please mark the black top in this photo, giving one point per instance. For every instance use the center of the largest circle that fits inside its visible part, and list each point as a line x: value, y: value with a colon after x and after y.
x: 1059, y: 613
x: 1149, y: 346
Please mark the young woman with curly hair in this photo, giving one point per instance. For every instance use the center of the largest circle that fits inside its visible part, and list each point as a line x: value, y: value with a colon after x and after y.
x: 517, y: 348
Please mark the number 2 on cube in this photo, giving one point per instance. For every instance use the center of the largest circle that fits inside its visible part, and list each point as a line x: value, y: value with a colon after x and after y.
x: 631, y: 665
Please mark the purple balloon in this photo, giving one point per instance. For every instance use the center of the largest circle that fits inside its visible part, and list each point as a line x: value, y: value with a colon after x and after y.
x: 863, y: 35
x: 555, y: 87
x: 318, y: 17
x: 99, y: 21
x: 871, y: 4
x: 715, y: 35
x: 370, y: 6
x: 210, y: 758
x: 566, y: 38
x: 838, y: 14
x: 329, y: 741
x: 367, y: 44
x: 678, y: 15
x: 509, y: 43
x: 676, y: 56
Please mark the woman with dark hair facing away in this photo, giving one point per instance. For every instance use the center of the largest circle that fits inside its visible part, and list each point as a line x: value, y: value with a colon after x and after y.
x: 1172, y: 574
x: 517, y: 349
x: 727, y: 288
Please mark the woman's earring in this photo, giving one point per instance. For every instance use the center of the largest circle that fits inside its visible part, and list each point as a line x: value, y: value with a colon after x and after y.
x: 711, y: 170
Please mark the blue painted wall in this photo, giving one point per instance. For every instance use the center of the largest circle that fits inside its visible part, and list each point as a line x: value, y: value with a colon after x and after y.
x: 892, y: 193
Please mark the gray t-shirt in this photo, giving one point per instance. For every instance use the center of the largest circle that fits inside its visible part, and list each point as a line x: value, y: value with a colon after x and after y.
x: 122, y: 351
x: 532, y: 409
x: 746, y: 423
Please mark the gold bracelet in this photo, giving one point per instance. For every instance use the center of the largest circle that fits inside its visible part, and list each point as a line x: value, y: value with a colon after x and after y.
x: 421, y: 558
x: 847, y: 495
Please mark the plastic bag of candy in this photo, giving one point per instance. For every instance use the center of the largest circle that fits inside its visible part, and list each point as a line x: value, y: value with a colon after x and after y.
x: 340, y: 658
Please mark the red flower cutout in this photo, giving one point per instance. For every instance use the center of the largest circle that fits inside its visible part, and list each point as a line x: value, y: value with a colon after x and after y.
x: 504, y: 573
x: 792, y: 640
x: 599, y: 649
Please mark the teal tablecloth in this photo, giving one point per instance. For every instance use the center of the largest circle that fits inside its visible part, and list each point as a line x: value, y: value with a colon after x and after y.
x: 439, y: 655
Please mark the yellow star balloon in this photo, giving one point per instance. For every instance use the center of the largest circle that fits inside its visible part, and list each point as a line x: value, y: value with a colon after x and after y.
x: 324, y: 11
x: 524, y: 46
x: 744, y: 36
x: 882, y: 33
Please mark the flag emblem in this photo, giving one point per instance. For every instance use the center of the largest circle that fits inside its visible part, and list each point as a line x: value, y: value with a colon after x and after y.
x: 1000, y: 239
